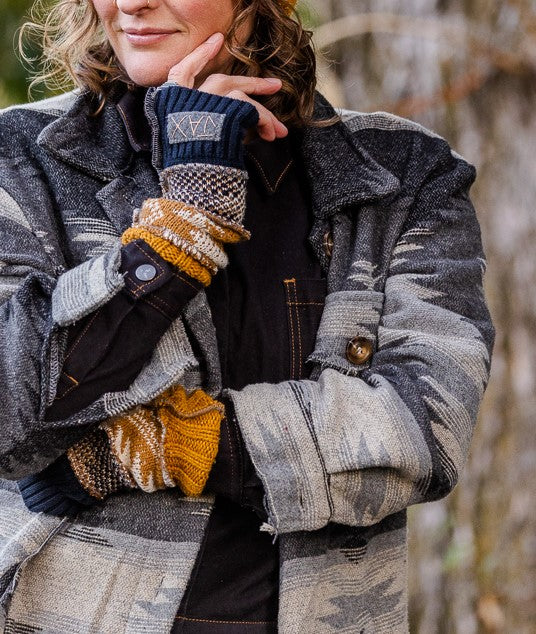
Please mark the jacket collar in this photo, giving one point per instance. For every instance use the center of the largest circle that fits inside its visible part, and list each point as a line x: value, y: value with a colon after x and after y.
x: 341, y: 171
x: 131, y: 108
x: 95, y: 145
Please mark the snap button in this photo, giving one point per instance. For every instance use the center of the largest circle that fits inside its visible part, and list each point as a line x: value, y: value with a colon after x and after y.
x: 327, y: 243
x: 358, y: 350
x: 145, y: 272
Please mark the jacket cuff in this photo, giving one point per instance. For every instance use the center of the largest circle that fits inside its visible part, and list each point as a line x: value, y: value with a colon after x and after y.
x: 146, y: 272
x: 87, y: 287
x: 284, y: 449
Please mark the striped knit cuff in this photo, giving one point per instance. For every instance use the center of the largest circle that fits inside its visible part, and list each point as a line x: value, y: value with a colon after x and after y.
x: 199, y: 127
x: 198, y: 235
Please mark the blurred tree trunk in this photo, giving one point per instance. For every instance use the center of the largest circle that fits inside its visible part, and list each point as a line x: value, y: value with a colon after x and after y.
x: 467, y: 68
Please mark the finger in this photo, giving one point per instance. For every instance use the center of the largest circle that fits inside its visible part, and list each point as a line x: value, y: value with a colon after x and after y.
x: 220, y: 84
x: 185, y: 72
x: 268, y: 127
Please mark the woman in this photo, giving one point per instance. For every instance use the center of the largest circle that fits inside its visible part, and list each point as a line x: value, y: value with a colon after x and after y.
x: 240, y: 336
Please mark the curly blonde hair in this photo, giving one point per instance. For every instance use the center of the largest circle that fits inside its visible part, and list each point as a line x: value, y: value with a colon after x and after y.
x: 76, y: 52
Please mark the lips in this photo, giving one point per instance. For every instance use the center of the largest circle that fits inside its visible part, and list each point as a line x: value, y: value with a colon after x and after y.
x: 146, y: 37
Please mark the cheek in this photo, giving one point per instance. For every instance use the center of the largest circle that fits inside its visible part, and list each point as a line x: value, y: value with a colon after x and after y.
x: 106, y: 12
x: 105, y: 9
x: 203, y: 16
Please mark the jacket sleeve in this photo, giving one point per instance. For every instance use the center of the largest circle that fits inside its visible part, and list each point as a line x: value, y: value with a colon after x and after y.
x: 89, y: 358
x: 357, y: 444
x: 40, y: 299
x: 106, y: 350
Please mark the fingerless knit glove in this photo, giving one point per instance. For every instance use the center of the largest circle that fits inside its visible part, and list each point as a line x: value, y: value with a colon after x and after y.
x: 203, y: 181
x: 172, y: 441
x: 199, y: 127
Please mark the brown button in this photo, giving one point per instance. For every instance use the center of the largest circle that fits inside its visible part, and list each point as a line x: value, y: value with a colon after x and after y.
x: 358, y: 350
x: 327, y: 243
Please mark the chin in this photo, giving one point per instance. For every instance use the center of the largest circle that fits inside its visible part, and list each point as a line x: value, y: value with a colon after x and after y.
x: 147, y: 79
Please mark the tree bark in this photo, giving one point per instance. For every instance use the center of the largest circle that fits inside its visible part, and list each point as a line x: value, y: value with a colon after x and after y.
x: 467, y: 69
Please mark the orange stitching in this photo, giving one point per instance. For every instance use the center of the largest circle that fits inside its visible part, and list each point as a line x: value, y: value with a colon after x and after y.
x: 160, y: 310
x: 149, y: 256
x: 173, y: 272
x: 186, y: 618
x: 81, y: 335
x: 291, y: 324
x: 300, y: 357
x: 185, y: 280
x: 70, y: 377
x: 307, y: 303
x: 285, y: 170
x: 160, y: 300
x: 69, y: 390
x: 231, y: 451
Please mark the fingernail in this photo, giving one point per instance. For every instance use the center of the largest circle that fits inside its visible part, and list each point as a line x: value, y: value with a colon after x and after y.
x: 214, y: 38
x: 272, y: 80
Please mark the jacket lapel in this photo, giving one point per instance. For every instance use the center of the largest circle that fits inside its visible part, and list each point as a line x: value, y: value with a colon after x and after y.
x: 99, y: 147
x: 95, y: 145
x: 120, y: 197
x: 341, y: 172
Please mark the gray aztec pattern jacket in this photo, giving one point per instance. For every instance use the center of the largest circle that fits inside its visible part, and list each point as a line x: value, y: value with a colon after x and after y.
x: 341, y: 455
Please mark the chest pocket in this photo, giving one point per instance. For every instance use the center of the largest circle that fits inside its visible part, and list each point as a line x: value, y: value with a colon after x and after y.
x: 348, y: 331
x: 304, y: 300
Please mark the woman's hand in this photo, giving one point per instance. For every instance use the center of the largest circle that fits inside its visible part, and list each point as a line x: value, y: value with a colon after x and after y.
x: 233, y: 86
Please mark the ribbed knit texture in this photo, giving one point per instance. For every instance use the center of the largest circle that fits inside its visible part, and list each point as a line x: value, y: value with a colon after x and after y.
x: 191, y: 436
x: 199, y: 127
x: 202, y: 209
x: 169, y: 252
x: 193, y: 232
x: 55, y: 490
x: 173, y: 441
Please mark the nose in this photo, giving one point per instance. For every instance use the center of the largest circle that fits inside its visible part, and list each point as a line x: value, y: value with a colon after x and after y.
x: 134, y: 6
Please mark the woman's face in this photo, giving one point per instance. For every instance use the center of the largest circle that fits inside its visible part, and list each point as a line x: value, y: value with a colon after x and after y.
x: 148, y: 39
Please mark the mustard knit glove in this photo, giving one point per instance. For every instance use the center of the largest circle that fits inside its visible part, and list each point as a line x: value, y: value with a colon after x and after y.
x: 172, y: 441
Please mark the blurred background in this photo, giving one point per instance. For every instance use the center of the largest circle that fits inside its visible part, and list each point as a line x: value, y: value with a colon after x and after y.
x: 467, y: 69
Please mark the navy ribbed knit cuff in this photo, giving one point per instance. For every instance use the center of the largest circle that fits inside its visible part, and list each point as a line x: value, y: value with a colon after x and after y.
x: 55, y: 490
x: 199, y: 127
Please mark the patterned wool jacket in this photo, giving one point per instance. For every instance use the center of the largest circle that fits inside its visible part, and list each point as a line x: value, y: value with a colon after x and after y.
x: 401, y: 361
